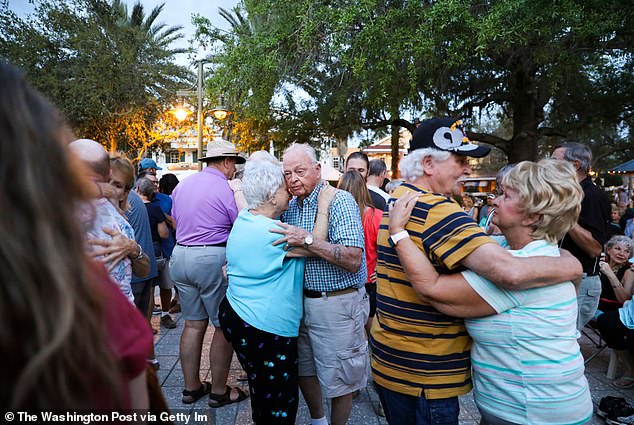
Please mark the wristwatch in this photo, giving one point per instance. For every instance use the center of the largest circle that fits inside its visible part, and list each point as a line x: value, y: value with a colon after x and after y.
x: 394, y: 239
x: 308, y: 241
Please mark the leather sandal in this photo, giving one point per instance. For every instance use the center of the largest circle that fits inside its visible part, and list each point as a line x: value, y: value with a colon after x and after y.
x: 192, y: 396
x: 219, y: 400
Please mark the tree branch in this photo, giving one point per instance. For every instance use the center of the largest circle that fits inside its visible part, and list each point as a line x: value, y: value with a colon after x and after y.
x: 375, y: 124
x: 549, y: 131
x: 385, y: 123
x: 596, y: 160
x: 497, y: 98
x: 490, y: 139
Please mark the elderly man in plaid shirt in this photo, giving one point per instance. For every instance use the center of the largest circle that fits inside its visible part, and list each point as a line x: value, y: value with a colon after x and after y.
x: 333, y: 349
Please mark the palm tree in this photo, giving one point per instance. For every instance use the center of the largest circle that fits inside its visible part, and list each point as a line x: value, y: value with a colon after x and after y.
x: 145, y: 46
x: 146, y: 75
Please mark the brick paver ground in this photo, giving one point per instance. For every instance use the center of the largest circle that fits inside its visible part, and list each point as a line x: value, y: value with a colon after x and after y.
x: 364, y: 406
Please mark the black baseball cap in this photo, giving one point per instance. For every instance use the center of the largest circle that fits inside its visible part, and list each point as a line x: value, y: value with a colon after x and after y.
x: 446, y: 134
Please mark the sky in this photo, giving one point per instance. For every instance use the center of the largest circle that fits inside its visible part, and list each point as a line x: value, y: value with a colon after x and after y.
x: 175, y: 12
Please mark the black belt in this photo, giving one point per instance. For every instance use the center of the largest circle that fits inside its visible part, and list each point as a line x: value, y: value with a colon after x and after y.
x: 309, y: 293
x: 203, y: 246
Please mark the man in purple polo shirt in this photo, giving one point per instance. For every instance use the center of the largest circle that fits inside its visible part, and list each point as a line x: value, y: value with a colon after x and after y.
x: 204, y: 210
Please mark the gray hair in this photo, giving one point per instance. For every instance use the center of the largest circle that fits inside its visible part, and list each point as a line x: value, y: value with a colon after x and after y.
x: 262, y: 178
x: 145, y: 187
x: 620, y: 240
x: 377, y: 167
x: 306, y: 148
x: 391, y: 186
x: 411, y: 166
x: 574, y: 151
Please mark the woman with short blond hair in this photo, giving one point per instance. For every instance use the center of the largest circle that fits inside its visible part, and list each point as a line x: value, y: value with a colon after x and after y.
x: 527, y: 366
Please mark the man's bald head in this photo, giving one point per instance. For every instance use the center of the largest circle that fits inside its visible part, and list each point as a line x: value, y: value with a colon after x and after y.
x: 93, y: 155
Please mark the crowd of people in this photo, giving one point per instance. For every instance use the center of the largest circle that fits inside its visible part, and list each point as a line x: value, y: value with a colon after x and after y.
x: 316, y: 288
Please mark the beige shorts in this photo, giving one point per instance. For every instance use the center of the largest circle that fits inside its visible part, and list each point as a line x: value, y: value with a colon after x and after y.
x: 332, y: 342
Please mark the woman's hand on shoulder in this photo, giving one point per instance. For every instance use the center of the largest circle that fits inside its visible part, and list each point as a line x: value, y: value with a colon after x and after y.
x: 325, y: 198
x: 235, y: 185
x: 114, y: 249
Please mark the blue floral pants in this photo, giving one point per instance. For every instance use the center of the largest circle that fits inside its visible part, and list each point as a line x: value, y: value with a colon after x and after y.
x: 270, y: 362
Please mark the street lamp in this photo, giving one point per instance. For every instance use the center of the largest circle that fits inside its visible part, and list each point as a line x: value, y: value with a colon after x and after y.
x: 181, y: 112
x: 219, y: 112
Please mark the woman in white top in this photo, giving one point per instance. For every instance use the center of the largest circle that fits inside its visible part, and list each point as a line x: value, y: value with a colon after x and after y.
x: 527, y: 365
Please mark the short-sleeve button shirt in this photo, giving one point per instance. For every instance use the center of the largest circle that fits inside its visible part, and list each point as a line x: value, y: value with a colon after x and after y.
x: 344, y: 228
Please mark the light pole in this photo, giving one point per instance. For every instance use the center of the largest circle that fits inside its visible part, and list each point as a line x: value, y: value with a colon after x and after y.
x: 219, y: 112
x: 200, y: 113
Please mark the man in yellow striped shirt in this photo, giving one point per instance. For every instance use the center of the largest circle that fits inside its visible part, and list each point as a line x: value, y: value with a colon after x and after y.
x: 420, y: 357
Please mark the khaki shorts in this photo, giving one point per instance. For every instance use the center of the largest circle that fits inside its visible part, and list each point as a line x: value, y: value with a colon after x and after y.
x: 333, y: 344
x: 197, y: 272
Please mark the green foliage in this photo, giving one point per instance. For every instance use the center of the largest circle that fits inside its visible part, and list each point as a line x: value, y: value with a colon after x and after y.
x: 530, y: 71
x: 110, y: 70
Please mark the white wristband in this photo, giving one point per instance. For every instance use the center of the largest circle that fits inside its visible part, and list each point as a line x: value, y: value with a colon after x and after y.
x: 394, y: 239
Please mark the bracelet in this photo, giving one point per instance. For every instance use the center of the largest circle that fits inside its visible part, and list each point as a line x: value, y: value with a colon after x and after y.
x: 140, y: 256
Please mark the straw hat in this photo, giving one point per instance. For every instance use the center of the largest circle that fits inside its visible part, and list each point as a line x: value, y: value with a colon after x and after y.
x: 220, y: 148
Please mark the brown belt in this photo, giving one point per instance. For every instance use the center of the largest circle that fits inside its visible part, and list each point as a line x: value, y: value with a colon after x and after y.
x: 309, y: 293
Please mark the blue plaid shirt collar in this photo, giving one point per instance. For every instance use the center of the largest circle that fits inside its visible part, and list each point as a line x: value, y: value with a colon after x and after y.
x: 312, y: 198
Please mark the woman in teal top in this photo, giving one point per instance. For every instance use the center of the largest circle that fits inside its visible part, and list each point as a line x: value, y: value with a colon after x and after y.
x: 263, y: 307
x: 527, y: 366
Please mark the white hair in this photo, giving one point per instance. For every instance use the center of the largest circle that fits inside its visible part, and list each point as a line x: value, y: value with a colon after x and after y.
x: 262, y: 178
x: 620, y: 240
x: 411, y: 166
x: 306, y: 148
x: 262, y: 156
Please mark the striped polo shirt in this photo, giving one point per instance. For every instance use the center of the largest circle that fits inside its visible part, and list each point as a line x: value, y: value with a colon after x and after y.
x: 415, y: 348
x: 527, y: 365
